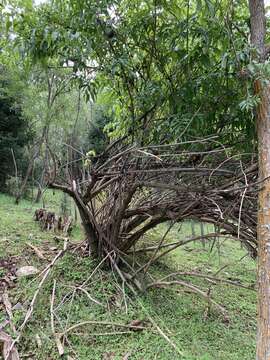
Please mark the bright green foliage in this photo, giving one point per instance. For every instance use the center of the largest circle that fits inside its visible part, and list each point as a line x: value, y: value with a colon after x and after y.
x: 172, y: 69
x: 158, y: 71
x: 96, y: 139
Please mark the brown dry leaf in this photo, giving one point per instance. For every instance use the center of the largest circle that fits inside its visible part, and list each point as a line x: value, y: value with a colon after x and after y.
x: 136, y: 322
x: 6, y: 339
x: 7, y: 303
x: 38, y: 252
x: 108, y: 356
x: 135, y: 325
x: 27, y: 271
x: 53, y: 248
x: 59, y: 345
x: 126, y: 356
x: 38, y: 340
x: 8, y: 308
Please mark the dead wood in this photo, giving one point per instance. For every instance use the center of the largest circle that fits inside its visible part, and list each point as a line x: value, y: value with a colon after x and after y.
x: 194, y: 289
x: 38, y: 252
x: 9, y: 352
x: 213, y: 279
x: 130, y: 190
x: 30, y: 310
x: 48, y: 220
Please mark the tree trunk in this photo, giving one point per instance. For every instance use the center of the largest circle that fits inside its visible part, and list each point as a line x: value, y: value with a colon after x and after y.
x: 257, y: 20
x: 263, y: 118
x: 40, y: 186
x: 23, y: 186
x: 92, y: 239
x: 45, y: 169
x: 38, y: 196
x: 29, y: 170
x: 89, y: 228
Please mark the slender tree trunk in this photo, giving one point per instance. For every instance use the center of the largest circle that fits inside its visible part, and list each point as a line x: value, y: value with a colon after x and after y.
x: 40, y: 187
x: 45, y: 169
x: 192, y: 226
x: 75, y: 215
x: 257, y: 20
x: 23, y: 186
x: 202, y: 234
x: 29, y: 170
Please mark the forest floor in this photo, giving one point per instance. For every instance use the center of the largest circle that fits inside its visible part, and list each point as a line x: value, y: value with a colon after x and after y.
x: 180, y: 314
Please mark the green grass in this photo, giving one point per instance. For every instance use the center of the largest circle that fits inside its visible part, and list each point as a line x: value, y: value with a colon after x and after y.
x: 178, y: 313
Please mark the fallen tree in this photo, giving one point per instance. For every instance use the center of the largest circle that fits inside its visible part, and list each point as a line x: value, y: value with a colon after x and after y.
x: 128, y: 190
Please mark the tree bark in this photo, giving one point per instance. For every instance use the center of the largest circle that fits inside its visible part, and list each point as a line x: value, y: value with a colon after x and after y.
x: 258, y: 29
x: 92, y: 238
x: 263, y: 227
x: 40, y: 187
x: 27, y: 175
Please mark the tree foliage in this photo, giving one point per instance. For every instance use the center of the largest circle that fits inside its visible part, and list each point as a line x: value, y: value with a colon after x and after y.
x: 171, y: 69
x: 15, y: 133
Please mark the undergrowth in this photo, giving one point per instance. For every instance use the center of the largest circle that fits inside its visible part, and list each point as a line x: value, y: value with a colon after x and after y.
x: 179, y: 314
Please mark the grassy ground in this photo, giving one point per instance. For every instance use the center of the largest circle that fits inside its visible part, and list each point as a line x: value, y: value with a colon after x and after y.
x: 178, y: 313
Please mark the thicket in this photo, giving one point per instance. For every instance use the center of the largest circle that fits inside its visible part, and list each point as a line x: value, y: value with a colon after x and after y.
x: 15, y: 136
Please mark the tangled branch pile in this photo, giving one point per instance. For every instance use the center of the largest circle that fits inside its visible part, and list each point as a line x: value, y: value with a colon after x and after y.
x: 128, y: 190
x: 48, y: 220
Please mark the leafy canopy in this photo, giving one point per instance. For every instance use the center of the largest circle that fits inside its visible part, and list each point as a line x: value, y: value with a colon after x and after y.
x: 169, y: 70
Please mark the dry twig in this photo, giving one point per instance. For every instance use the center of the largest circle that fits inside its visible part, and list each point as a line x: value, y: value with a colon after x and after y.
x: 193, y: 289
x: 29, y: 312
